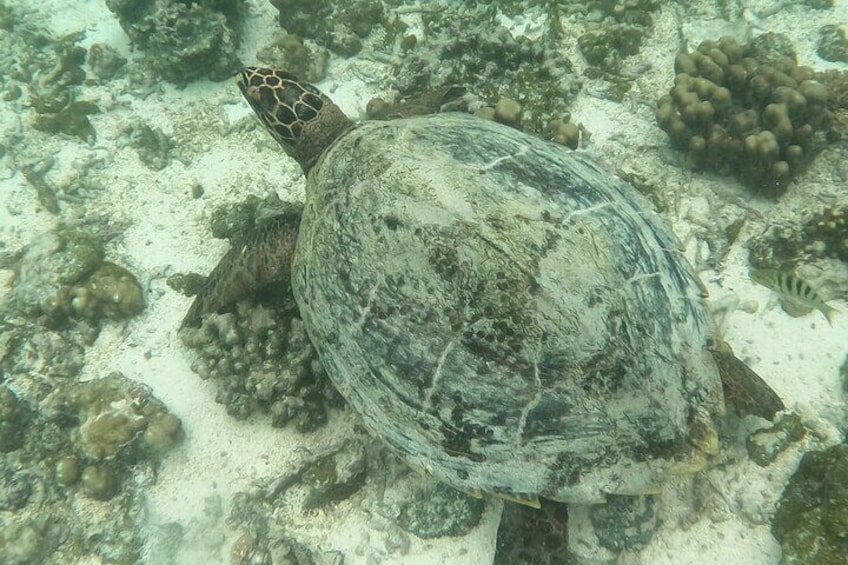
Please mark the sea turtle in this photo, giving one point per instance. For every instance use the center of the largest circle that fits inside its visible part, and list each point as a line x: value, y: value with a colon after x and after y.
x: 501, y: 311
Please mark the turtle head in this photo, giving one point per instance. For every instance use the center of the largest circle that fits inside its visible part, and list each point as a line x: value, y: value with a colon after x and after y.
x: 299, y: 116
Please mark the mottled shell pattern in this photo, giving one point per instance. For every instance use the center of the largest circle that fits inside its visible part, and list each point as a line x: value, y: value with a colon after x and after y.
x: 504, y: 313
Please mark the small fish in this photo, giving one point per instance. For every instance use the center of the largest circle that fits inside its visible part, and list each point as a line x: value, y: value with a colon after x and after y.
x: 795, y: 290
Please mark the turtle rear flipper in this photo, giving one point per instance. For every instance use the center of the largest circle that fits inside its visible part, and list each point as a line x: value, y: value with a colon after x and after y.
x: 745, y: 392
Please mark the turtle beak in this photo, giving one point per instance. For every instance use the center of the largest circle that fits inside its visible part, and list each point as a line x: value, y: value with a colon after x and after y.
x: 243, y: 80
x: 252, y: 91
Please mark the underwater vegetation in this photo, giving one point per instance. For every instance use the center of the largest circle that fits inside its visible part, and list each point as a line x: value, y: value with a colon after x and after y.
x: 748, y: 110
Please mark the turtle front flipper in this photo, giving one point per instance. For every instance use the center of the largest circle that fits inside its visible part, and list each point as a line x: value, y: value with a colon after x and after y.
x: 745, y: 392
x: 260, y: 259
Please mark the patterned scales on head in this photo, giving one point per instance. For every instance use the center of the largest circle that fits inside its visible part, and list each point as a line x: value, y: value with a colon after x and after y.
x: 502, y: 312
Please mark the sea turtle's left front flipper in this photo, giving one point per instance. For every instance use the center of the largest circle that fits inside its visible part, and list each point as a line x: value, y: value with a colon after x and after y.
x: 261, y: 258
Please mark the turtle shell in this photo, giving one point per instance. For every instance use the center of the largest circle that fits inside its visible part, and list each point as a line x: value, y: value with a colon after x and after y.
x: 502, y: 312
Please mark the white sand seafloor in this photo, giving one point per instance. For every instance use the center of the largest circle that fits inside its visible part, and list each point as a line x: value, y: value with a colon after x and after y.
x: 230, y: 158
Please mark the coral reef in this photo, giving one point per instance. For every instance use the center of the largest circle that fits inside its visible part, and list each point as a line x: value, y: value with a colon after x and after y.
x: 625, y: 522
x: 261, y: 359
x: 435, y: 510
x: 44, y: 83
x: 808, y: 246
x: 448, y: 99
x: 508, y: 111
x: 52, y: 95
x: 259, y: 355
x: 456, y: 45
x: 62, y: 273
x: 62, y: 291
x: 14, y: 415
x: 306, y: 60
x: 765, y: 445
x: 563, y: 131
x: 818, y: 233
x: 812, y: 516
x: 843, y: 373
x: 530, y: 535
x: 183, y: 41
x: 560, y: 129
x: 269, y: 519
x: 340, y: 26
x: 151, y: 144
x: 105, y: 62
x: 71, y: 120
x: 70, y: 445
x: 28, y: 349
x: 109, y: 422
x: 50, y: 264
x: 833, y: 43
x: 336, y: 476
x: 749, y: 110
x: 468, y: 47
x: 51, y: 92
x: 827, y: 232
x: 111, y: 292
x: 34, y: 172
x: 604, y: 46
x: 614, y: 30
x: 75, y: 446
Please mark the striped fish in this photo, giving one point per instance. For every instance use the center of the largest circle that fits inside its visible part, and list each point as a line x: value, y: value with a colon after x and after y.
x: 794, y: 289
